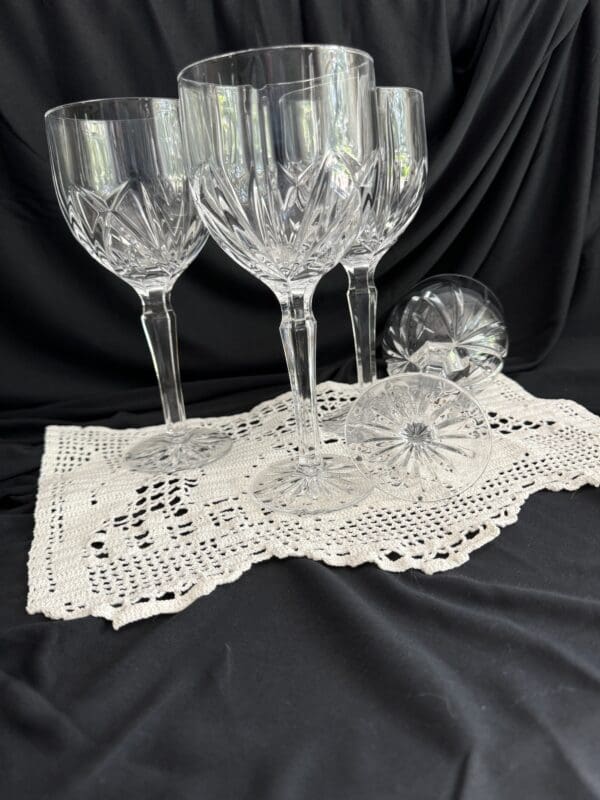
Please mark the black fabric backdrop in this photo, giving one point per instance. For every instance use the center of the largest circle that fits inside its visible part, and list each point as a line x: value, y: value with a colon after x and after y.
x: 300, y: 681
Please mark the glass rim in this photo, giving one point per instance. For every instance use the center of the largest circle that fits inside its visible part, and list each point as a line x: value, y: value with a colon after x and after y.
x: 449, y: 276
x: 181, y: 77
x: 51, y: 112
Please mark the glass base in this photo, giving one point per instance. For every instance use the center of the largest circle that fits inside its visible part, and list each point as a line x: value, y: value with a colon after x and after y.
x: 419, y: 437
x: 288, y: 488
x: 185, y: 449
x: 335, y: 423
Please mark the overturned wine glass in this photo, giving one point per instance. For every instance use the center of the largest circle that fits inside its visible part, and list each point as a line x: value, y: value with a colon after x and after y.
x: 389, y: 205
x: 118, y: 172
x: 278, y: 142
x: 449, y: 325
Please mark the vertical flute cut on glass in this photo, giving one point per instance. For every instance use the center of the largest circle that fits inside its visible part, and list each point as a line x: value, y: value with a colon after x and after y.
x: 279, y: 141
x: 388, y: 207
x: 118, y: 171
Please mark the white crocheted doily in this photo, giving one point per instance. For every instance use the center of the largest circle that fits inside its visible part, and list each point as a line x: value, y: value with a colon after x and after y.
x: 109, y: 543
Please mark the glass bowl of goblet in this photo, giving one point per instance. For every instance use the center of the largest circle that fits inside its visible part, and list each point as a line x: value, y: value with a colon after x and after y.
x: 449, y: 325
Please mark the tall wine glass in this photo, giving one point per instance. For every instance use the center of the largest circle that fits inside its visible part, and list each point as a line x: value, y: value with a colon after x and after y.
x: 118, y: 172
x: 387, y: 211
x: 278, y: 142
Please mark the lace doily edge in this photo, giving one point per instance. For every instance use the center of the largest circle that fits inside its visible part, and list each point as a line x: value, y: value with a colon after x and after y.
x: 483, y: 532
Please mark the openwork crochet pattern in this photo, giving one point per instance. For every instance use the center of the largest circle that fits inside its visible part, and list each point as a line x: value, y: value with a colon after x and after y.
x: 112, y: 544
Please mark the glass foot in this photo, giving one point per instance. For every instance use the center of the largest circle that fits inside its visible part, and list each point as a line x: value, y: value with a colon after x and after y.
x: 185, y: 449
x: 335, y: 423
x: 419, y: 437
x: 288, y: 488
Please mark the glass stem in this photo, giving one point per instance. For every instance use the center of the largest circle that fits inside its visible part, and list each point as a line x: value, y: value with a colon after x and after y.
x: 362, y: 302
x: 160, y: 327
x: 299, y: 336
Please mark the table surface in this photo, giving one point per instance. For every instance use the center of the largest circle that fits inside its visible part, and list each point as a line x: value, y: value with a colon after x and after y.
x: 304, y: 681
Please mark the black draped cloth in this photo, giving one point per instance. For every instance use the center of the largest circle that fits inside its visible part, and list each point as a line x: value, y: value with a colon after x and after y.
x: 300, y: 681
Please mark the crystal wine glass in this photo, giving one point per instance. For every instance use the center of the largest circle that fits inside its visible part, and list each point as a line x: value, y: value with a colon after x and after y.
x: 118, y: 172
x: 387, y: 211
x: 449, y: 325
x: 279, y: 141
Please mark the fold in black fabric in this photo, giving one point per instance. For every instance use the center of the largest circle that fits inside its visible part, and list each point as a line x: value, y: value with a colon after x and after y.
x: 299, y: 681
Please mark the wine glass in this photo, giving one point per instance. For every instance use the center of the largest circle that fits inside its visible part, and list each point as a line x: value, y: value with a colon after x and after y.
x: 387, y: 211
x: 118, y: 172
x: 278, y: 142
x: 449, y: 325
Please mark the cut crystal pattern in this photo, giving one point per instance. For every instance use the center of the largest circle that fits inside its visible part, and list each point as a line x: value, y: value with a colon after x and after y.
x: 420, y: 437
x: 393, y: 197
x: 451, y: 326
x: 281, y: 225
x: 145, y: 232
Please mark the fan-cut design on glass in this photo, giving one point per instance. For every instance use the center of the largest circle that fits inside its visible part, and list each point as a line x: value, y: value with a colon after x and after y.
x: 419, y: 437
x: 452, y: 326
x: 119, y: 175
x: 141, y: 231
x: 388, y: 207
x: 279, y: 143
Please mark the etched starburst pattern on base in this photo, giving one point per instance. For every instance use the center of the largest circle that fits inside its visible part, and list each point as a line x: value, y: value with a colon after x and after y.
x: 419, y: 437
x: 185, y: 449
x: 286, y: 487
x: 452, y: 326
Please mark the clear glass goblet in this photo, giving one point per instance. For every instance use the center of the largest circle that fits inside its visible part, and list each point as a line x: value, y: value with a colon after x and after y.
x: 118, y: 171
x: 279, y: 141
x: 449, y: 325
x: 420, y: 438
x: 388, y: 208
